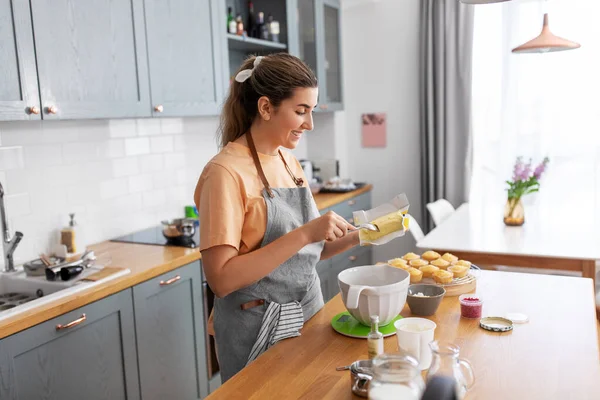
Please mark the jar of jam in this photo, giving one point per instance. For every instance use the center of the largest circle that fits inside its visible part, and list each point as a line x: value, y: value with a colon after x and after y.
x: 470, y: 305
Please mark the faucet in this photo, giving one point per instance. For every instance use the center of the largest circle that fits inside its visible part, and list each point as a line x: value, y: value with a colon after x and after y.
x: 9, y: 244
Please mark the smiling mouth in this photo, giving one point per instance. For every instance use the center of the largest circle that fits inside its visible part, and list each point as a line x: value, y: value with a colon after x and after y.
x: 297, y: 134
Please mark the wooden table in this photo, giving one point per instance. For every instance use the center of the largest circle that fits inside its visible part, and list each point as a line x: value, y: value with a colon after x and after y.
x: 547, y: 240
x: 554, y: 356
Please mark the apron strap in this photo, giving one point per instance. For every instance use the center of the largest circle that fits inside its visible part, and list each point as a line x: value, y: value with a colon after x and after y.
x: 297, y: 181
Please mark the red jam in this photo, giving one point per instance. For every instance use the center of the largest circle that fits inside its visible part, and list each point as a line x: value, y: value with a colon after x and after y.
x: 470, y: 307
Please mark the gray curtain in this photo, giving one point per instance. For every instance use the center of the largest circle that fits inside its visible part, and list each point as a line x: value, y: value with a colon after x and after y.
x: 446, y: 43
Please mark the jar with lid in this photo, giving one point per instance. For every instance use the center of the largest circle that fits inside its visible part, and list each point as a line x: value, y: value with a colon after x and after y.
x: 396, y: 376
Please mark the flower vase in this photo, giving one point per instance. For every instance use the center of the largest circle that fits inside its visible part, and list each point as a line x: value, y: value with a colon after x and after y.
x: 514, y: 213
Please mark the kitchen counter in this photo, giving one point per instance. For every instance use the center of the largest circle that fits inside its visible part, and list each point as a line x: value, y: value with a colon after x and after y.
x: 553, y: 356
x: 144, y: 261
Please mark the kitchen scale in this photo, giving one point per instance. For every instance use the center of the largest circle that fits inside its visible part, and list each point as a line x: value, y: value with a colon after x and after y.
x: 345, y: 324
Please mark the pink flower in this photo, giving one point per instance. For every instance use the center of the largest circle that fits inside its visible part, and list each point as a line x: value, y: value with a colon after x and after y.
x: 539, y: 170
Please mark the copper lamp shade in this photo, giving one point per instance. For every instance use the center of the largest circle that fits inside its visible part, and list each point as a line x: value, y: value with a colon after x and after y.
x: 546, y: 42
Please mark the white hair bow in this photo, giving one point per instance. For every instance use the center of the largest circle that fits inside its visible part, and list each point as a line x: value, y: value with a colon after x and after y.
x: 246, y: 73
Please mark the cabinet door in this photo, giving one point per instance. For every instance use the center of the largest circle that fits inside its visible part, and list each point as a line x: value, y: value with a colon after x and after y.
x: 170, y: 335
x: 19, y: 96
x: 307, y: 39
x: 183, y: 55
x: 356, y: 257
x: 94, y: 358
x: 91, y: 58
x: 329, y: 55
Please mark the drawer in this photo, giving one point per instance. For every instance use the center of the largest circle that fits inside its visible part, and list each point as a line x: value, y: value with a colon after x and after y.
x: 346, y: 208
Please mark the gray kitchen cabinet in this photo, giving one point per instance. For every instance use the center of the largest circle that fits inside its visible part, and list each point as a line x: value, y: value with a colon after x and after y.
x: 170, y: 335
x: 88, y: 353
x: 91, y: 58
x: 355, y: 257
x: 319, y: 45
x: 184, y: 53
x: 324, y: 271
x: 19, y: 96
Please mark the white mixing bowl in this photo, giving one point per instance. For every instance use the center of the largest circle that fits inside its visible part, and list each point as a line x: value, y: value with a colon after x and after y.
x: 374, y: 290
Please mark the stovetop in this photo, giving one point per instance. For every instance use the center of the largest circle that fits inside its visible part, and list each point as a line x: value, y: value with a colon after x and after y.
x: 154, y: 236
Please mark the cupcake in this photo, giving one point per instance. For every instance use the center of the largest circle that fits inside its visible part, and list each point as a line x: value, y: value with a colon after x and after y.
x: 398, y: 262
x: 430, y: 255
x: 450, y: 257
x: 440, y: 263
x: 428, y: 270
x: 459, y: 271
x: 442, y: 276
x: 463, y: 262
x: 410, y: 256
x: 418, y: 263
x: 415, y: 275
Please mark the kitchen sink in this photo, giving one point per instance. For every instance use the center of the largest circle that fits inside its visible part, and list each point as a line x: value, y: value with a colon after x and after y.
x: 19, y: 292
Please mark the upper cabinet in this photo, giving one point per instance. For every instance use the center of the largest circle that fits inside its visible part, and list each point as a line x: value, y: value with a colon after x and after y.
x: 91, y: 58
x: 320, y: 47
x: 19, y: 99
x: 183, y: 43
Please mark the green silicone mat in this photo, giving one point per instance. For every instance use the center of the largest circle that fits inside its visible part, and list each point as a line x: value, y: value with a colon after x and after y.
x: 347, y: 325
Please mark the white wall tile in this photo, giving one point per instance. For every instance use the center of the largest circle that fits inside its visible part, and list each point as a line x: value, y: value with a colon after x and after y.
x: 3, y: 181
x: 161, y: 144
x: 164, y: 179
x: 140, y: 183
x: 21, y: 133
x: 122, y: 128
x: 125, y: 167
x: 154, y: 198
x: 113, y: 188
x: 111, y: 148
x: 171, y: 125
x: 11, y: 157
x: 174, y: 160
x: 138, y: 146
x: 15, y: 181
x: 17, y: 205
x: 82, y: 193
x: 179, y: 142
x: 151, y: 163
x: 78, y: 152
x: 148, y: 127
x: 43, y: 155
x: 57, y: 131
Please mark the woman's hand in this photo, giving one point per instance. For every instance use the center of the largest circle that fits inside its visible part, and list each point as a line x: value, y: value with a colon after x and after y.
x: 327, y: 227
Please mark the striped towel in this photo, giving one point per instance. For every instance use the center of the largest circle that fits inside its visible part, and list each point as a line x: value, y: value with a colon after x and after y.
x: 281, y: 321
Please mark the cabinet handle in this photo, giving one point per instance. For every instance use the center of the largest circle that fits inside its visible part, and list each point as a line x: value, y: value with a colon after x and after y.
x: 324, y: 106
x: 352, y: 258
x: 169, y: 281
x: 159, y: 108
x: 351, y: 202
x: 52, y: 109
x: 34, y: 110
x: 71, y: 324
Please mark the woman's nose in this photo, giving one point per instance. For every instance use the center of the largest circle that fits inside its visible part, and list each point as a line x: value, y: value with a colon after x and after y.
x: 308, y: 122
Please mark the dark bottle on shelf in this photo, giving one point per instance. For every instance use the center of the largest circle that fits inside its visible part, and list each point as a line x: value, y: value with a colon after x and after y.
x: 251, y: 24
x: 263, y: 29
x: 231, y: 24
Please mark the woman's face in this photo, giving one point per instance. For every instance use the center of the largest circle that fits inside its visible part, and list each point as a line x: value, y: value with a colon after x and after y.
x: 294, y: 116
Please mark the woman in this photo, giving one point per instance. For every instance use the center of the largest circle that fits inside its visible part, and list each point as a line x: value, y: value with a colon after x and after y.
x: 261, y: 234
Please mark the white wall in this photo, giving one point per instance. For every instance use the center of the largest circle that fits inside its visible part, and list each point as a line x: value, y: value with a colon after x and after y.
x: 380, y: 61
x: 117, y: 176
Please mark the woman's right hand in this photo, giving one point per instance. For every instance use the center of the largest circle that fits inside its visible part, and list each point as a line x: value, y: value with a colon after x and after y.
x: 329, y: 226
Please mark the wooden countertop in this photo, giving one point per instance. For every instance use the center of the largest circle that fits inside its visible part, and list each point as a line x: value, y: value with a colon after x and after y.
x: 553, y: 356
x: 144, y: 261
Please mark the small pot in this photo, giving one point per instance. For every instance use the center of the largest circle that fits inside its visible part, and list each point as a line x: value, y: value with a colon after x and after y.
x: 361, y: 373
x: 179, y: 228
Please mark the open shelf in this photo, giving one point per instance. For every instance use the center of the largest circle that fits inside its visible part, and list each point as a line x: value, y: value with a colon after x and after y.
x: 249, y: 45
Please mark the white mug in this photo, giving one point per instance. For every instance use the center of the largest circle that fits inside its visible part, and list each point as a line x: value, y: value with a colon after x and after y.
x: 414, y: 336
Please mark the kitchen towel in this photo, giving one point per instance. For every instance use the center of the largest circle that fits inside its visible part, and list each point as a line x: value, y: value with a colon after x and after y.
x: 281, y: 321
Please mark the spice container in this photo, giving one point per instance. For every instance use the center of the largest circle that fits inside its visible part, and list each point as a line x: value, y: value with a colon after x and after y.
x: 470, y: 305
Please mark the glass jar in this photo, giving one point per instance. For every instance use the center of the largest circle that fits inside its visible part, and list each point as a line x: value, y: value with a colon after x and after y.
x: 446, y: 362
x: 396, y: 376
x: 514, y: 213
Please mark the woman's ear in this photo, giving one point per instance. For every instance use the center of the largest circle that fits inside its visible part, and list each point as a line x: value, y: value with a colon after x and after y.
x: 265, y: 108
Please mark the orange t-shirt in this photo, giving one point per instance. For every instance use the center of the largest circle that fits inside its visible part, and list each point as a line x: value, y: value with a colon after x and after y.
x: 229, y: 196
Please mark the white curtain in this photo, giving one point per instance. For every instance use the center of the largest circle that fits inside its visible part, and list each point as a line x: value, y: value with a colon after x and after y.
x: 537, y: 105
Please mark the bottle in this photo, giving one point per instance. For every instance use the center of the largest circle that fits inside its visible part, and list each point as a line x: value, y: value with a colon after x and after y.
x: 273, y: 30
x: 69, y: 236
x: 239, y: 25
x: 262, y: 28
x: 251, y: 24
x: 375, y: 338
x: 268, y: 25
x: 231, y: 24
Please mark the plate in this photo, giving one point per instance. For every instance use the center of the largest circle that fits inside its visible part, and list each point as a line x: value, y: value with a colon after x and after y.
x: 496, y: 324
x: 347, y: 325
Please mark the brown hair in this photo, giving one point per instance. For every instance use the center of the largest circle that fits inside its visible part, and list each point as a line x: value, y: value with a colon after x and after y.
x: 276, y: 77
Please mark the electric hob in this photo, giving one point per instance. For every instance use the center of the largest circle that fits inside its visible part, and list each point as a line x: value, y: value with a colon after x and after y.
x: 154, y: 236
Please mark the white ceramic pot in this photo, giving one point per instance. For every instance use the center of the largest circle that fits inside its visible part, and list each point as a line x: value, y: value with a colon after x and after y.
x: 374, y: 290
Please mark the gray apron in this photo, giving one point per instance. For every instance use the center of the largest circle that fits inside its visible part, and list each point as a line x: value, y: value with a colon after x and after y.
x: 238, y: 317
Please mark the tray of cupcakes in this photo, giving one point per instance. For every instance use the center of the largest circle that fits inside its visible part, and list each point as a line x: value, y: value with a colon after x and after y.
x: 456, y: 276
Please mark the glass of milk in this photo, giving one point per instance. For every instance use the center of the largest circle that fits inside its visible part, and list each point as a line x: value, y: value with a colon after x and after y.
x: 396, y: 376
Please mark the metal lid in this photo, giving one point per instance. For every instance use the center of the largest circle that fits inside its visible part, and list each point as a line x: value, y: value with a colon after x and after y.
x: 496, y: 324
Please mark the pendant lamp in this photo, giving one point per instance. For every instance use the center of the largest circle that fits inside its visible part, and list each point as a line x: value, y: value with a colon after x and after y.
x: 546, y: 42
x: 482, y: 1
